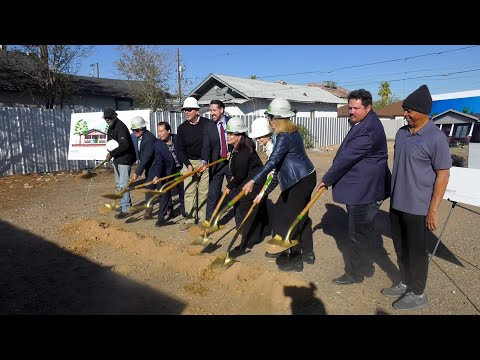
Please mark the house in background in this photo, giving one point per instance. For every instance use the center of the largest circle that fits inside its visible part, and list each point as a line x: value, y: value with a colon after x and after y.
x: 252, y: 97
x: 85, y: 94
x: 393, y: 111
x: 332, y: 88
x: 458, y: 126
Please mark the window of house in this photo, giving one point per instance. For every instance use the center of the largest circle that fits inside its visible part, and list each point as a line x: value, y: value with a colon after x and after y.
x: 461, y: 130
x: 124, y: 104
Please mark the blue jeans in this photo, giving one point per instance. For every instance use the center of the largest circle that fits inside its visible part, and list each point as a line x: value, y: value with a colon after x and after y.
x: 360, y: 227
x: 122, y: 174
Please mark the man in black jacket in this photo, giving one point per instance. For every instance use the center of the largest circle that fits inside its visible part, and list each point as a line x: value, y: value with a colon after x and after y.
x: 146, y: 155
x: 123, y: 156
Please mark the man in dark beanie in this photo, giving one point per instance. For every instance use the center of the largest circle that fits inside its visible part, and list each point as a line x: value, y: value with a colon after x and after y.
x: 420, y: 175
x: 123, y: 156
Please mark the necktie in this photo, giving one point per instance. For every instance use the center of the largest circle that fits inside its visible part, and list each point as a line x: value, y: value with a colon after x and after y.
x: 223, y: 148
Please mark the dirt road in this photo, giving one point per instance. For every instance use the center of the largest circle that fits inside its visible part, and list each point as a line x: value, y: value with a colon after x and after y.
x: 61, y: 253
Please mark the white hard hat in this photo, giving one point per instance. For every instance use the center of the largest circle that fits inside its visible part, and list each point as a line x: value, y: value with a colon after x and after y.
x: 112, y: 145
x: 280, y: 108
x: 190, y: 103
x: 260, y: 127
x: 138, y: 122
x: 236, y: 125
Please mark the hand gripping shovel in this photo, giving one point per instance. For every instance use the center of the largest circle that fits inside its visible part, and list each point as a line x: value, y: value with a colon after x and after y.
x: 169, y: 186
x: 91, y: 173
x: 215, y: 227
x: 118, y: 195
x: 278, y: 245
x: 226, y: 261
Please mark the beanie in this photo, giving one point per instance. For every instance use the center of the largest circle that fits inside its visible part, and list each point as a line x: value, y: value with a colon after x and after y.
x: 420, y: 100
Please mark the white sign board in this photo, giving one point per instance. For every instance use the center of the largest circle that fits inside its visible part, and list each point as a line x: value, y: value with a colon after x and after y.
x: 463, y: 186
x: 88, y: 133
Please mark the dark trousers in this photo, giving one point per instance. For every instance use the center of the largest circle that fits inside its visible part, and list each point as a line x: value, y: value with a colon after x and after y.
x: 409, y: 234
x: 241, y: 209
x: 215, y: 187
x: 164, y: 201
x: 360, y: 235
x: 289, y: 205
x: 181, y: 194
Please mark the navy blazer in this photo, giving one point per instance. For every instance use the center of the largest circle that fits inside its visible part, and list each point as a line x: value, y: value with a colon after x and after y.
x: 359, y: 173
x: 211, y: 144
x: 164, y: 164
x: 146, y: 154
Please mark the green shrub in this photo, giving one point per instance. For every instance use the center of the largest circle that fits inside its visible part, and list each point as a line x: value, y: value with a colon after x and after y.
x: 308, y: 139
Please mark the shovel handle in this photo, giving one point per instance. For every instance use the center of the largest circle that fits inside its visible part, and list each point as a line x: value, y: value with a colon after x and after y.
x: 218, y: 205
x: 154, y: 182
x: 181, y: 178
x: 310, y: 203
x: 96, y: 167
x: 126, y: 186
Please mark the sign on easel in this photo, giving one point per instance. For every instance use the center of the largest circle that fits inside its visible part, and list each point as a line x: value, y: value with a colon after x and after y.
x: 463, y: 186
x: 88, y: 133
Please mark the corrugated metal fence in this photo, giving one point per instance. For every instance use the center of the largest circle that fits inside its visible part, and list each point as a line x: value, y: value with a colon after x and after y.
x: 35, y: 140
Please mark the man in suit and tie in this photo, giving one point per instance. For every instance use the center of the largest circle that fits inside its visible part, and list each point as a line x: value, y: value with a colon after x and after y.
x: 361, y: 180
x: 215, y: 147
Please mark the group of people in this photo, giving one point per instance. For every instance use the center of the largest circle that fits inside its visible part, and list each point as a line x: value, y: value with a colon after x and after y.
x: 359, y: 177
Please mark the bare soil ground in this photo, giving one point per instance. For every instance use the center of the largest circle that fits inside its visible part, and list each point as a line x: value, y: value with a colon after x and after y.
x: 61, y: 252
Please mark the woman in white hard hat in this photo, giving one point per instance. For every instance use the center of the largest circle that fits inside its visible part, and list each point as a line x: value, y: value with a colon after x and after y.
x: 244, y: 164
x: 297, y: 179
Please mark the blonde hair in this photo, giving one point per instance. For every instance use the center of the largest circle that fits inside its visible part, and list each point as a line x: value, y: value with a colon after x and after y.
x: 285, y: 125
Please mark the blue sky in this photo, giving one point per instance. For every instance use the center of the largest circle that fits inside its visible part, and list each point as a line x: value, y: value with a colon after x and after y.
x: 443, y: 68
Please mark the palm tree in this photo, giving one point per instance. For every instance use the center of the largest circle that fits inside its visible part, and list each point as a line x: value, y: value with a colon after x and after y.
x: 384, y: 91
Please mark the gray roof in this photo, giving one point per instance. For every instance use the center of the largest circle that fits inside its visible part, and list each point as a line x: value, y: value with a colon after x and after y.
x: 252, y: 88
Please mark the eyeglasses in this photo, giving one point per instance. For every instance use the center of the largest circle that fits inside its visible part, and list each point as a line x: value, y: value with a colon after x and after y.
x: 108, y: 118
x: 136, y: 130
x: 188, y: 110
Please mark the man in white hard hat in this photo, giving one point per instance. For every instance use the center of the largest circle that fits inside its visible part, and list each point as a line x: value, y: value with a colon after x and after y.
x: 190, y: 141
x: 146, y: 155
x: 123, y: 156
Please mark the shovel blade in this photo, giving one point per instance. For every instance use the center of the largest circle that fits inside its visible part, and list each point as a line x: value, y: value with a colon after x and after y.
x: 206, y: 224
x: 204, y: 240
x: 88, y: 175
x: 112, y: 196
x: 222, y: 261
x: 277, y: 245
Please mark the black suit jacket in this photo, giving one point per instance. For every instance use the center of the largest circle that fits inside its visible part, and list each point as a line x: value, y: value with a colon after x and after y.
x: 211, y: 145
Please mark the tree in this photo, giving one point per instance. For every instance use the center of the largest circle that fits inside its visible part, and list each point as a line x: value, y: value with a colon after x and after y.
x: 81, y: 128
x: 466, y: 110
x: 49, y: 69
x: 152, y: 69
x: 377, y: 105
x: 253, y: 77
x: 385, y: 91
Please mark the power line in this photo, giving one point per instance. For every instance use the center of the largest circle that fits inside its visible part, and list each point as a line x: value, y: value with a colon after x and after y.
x: 368, y: 64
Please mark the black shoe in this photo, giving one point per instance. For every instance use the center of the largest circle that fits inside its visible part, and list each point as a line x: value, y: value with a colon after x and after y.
x: 283, y: 258
x: 295, y: 263
x: 274, y: 256
x: 161, y: 222
x: 348, y: 280
x: 121, y: 215
x: 309, y: 258
x: 238, y: 251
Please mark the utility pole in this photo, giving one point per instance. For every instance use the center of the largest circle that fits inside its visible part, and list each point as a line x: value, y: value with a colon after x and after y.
x: 179, y: 76
x: 93, y: 69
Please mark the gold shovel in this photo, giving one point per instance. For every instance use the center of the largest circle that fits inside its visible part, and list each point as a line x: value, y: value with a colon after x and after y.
x: 206, y: 224
x: 215, y: 227
x: 91, y: 173
x: 225, y: 260
x: 118, y: 195
x: 170, y: 185
x: 277, y: 245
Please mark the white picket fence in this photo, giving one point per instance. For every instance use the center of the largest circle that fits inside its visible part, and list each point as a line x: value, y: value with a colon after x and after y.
x: 36, y: 140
